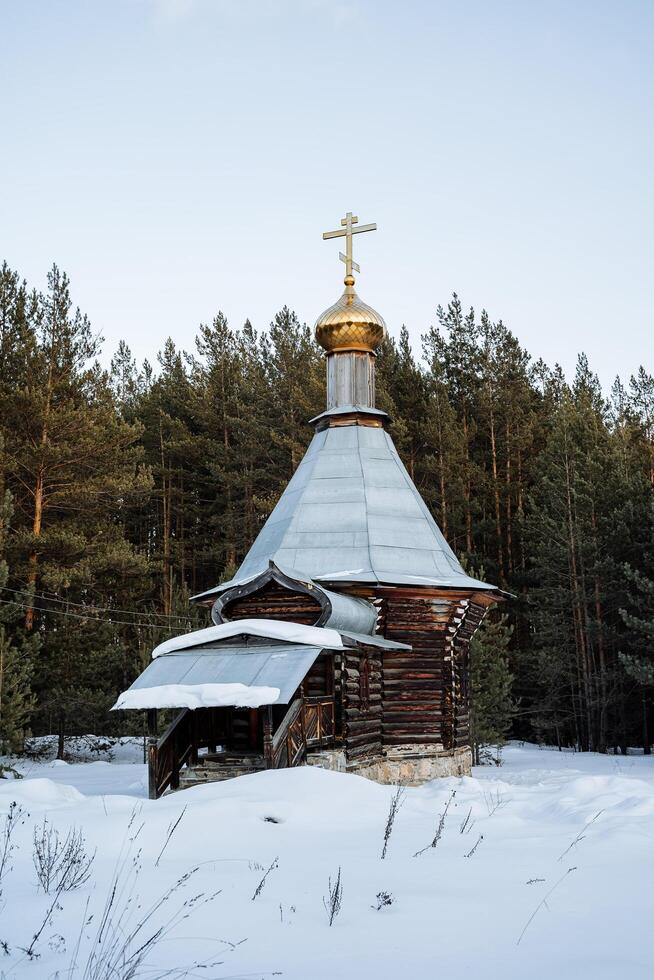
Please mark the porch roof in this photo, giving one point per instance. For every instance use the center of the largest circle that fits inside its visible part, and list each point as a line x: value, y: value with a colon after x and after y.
x: 241, y: 676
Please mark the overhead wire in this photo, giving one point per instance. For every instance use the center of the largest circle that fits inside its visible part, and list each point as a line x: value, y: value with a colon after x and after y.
x: 45, y: 597
x: 97, y: 619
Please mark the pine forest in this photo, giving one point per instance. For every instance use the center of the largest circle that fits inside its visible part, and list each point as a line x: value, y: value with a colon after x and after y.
x: 125, y: 491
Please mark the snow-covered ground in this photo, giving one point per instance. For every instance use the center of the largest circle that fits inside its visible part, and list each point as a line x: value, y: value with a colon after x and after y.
x: 453, y: 913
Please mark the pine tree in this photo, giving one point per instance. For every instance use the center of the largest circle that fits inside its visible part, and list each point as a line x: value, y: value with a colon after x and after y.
x: 639, y: 663
x: 135, y: 487
x: 70, y: 457
x: 127, y: 382
x: 220, y: 411
x: 72, y: 465
x: 16, y: 651
x: 444, y: 460
x: 455, y: 345
x: 588, y: 514
x: 492, y: 706
x: 641, y: 397
x: 19, y: 311
x: 404, y: 388
x: 294, y: 370
x: 637, y: 642
x: 164, y: 409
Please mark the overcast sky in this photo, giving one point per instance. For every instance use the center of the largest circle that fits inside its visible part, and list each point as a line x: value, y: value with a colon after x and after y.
x: 180, y: 157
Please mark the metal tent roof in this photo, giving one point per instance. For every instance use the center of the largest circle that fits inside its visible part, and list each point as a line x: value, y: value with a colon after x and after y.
x: 351, y: 513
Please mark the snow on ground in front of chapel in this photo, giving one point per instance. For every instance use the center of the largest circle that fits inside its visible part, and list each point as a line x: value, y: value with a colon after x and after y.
x: 452, y: 915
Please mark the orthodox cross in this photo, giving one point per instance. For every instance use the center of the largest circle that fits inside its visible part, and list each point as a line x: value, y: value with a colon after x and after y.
x: 346, y: 232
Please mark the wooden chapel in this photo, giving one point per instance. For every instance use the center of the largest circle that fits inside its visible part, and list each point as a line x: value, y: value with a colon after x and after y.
x: 343, y: 640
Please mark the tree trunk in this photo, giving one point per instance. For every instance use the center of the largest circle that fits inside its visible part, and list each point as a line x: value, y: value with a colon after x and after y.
x: 496, y: 491
x: 37, y: 524
x: 467, y: 492
x: 39, y: 488
x: 166, y: 502
x: 577, y: 612
x: 2, y: 675
x: 646, y: 746
x: 509, y: 508
x: 61, y: 738
x: 441, y: 477
x: 521, y: 549
x: 602, y: 737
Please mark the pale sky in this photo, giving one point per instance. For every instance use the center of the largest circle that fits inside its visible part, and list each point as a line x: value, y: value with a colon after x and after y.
x: 180, y: 157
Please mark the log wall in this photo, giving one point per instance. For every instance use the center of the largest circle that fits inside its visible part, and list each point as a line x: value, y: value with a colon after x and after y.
x: 274, y: 601
x: 361, y: 682
x: 319, y: 682
x: 458, y: 692
x: 409, y: 697
x: 425, y: 690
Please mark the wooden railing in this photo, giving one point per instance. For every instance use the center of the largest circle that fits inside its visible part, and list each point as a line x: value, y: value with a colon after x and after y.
x: 309, y: 722
x: 178, y: 747
x: 319, y: 721
x: 289, y: 743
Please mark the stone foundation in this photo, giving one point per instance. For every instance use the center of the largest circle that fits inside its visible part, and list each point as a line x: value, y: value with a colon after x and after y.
x: 333, y: 759
x: 410, y: 765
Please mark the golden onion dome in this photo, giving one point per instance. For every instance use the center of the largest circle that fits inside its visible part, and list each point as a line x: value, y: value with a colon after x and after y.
x: 350, y: 324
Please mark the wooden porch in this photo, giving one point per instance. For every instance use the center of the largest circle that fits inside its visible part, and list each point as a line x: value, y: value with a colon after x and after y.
x: 210, y: 744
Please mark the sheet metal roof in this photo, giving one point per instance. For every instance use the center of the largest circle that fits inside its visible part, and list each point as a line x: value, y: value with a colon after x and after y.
x: 349, y: 410
x: 200, y: 658
x: 271, y: 629
x: 276, y: 666
x: 346, y: 612
x: 375, y: 641
x: 351, y: 513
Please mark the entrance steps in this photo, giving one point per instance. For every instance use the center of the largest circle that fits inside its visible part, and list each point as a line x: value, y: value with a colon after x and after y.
x: 216, y: 766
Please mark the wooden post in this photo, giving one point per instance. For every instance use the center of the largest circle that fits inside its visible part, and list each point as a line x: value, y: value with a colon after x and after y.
x: 152, y: 768
x: 254, y: 727
x: 152, y: 754
x: 267, y: 737
x: 195, y: 727
x: 174, y: 774
x: 211, y: 718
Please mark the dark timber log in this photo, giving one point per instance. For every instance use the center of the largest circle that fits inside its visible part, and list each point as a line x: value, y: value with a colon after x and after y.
x: 275, y: 602
x: 425, y: 691
x: 362, y: 711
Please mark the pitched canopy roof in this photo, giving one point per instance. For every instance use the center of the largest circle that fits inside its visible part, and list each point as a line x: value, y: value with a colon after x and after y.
x: 217, y: 677
x: 248, y: 663
x: 351, y: 513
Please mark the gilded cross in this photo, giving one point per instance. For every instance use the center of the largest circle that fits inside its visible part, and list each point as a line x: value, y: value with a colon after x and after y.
x: 346, y: 231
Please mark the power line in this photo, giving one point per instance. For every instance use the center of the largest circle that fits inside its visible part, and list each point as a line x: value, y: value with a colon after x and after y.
x: 49, y: 597
x: 97, y: 619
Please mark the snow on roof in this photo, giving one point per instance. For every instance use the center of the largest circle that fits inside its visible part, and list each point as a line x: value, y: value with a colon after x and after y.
x: 196, y: 696
x: 271, y: 629
x: 272, y: 670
